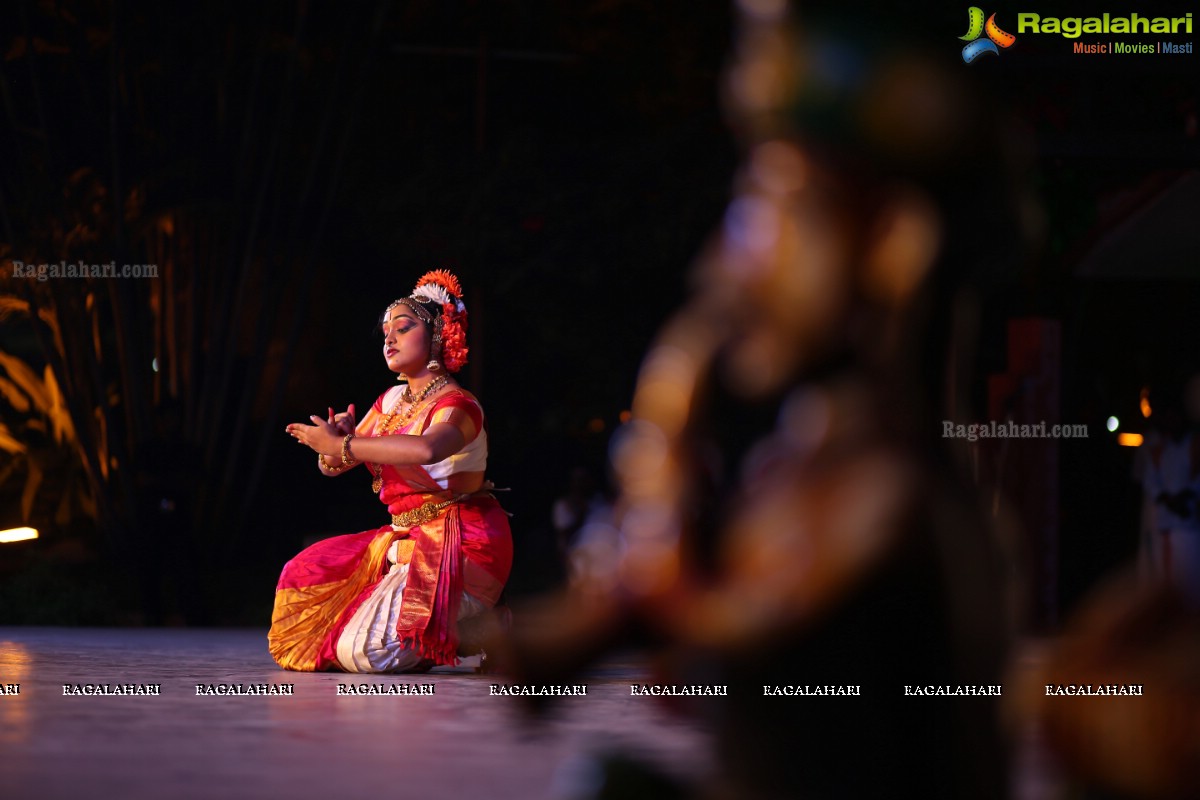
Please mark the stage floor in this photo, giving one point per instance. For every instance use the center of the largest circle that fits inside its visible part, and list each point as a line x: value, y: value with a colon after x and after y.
x: 457, y: 742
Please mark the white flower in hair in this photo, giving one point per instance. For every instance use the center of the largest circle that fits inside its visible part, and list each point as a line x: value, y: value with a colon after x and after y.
x: 432, y: 293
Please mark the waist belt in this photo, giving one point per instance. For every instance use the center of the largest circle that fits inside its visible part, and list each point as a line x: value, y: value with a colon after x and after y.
x: 426, y: 512
x: 429, y: 511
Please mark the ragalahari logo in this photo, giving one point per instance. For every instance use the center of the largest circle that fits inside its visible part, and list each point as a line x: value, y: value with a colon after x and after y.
x: 975, y: 28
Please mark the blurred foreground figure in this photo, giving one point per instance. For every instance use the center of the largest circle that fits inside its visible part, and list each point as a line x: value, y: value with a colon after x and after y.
x: 1128, y: 634
x: 788, y: 514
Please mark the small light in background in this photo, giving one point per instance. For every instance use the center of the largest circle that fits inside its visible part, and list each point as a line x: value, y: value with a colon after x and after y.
x: 596, y: 425
x: 154, y: 364
x: 1145, y: 402
x: 18, y: 535
x: 625, y: 416
x: 1129, y: 439
x: 1113, y: 423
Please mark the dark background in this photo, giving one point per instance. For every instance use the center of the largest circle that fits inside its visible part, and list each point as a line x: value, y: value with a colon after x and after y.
x: 294, y: 167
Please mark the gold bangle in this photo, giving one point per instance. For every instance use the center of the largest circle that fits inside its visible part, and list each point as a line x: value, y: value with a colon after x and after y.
x: 323, y: 464
x: 347, y: 457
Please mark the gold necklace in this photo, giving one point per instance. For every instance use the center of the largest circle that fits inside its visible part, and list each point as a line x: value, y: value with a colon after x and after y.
x: 391, y: 422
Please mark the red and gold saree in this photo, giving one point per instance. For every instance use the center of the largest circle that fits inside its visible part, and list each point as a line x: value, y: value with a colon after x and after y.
x: 444, y: 547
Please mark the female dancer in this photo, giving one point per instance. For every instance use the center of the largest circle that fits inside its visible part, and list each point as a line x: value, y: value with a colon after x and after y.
x: 389, y: 600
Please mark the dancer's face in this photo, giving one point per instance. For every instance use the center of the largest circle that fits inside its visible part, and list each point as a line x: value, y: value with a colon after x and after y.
x: 406, y: 341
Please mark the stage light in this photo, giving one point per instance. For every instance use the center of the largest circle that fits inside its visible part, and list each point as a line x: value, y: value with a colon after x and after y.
x: 1113, y: 423
x: 1144, y: 404
x: 18, y: 535
x: 1129, y: 439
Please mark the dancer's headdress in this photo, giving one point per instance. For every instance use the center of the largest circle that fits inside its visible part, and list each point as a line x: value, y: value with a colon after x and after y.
x: 437, y: 301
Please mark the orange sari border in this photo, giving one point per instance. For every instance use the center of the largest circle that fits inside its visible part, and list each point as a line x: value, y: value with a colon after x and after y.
x: 307, y: 619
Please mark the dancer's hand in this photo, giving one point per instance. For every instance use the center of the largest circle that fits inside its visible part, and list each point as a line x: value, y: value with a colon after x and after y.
x: 344, y: 423
x: 321, y: 436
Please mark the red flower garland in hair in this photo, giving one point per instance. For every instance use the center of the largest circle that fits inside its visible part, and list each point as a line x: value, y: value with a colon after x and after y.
x: 454, y: 318
x: 454, y: 337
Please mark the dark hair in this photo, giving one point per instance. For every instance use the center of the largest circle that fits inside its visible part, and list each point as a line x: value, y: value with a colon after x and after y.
x: 434, y: 309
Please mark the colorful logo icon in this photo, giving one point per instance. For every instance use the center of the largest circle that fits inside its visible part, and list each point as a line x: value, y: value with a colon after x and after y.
x: 976, y: 27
